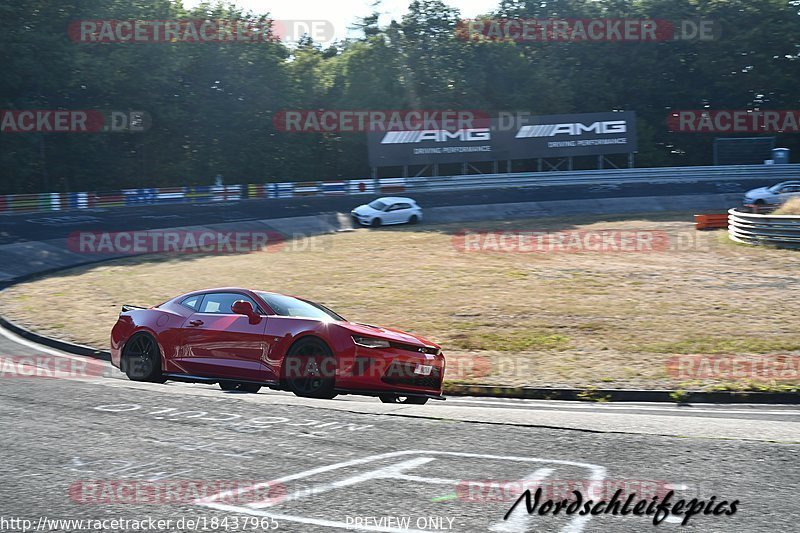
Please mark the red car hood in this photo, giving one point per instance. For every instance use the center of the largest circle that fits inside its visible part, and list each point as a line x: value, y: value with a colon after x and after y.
x: 387, y: 333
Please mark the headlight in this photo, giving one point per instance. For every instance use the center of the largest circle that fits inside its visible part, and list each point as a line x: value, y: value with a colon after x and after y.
x: 369, y: 342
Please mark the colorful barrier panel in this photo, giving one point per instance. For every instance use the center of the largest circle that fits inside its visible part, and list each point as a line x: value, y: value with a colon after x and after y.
x: 197, y: 194
x: 306, y: 188
x: 257, y: 190
x: 106, y: 199
x: 392, y: 185
x: 224, y: 193
x: 281, y: 190
x: 360, y: 186
x: 77, y: 200
x: 335, y: 188
x: 170, y: 195
x: 28, y: 202
x: 139, y: 196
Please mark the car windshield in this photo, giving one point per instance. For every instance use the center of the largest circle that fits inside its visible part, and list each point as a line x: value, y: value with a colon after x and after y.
x: 377, y: 205
x: 289, y: 306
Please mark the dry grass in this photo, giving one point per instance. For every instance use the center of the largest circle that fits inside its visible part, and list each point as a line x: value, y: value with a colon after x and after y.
x: 546, y: 319
x: 792, y: 207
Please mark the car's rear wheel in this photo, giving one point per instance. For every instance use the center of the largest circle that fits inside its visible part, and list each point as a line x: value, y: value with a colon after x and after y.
x: 239, y: 386
x: 309, y: 369
x: 142, y: 359
x: 413, y: 219
x: 394, y: 398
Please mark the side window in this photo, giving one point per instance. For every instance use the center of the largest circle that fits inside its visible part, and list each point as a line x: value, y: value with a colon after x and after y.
x: 221, y: 302
x: 192, y: 302
x: 392, y: 207
x: 403, y: 206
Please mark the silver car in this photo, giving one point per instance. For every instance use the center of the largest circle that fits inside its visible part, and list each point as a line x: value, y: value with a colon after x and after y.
x: 774, y: 195
x: 387, y: 210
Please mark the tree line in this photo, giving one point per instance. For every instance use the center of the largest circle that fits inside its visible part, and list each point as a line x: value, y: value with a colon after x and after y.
x: 210, y: 107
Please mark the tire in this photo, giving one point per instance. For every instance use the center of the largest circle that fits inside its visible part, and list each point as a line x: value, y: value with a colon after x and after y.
x: 309, y: 369
x: 413, y: 219
x: 142, y: 359
x: 412, y: 400
x: 376, y: 223
x: 252, y: 388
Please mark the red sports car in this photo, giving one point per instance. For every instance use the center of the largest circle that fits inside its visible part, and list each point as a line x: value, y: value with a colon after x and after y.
x: 247, y: 339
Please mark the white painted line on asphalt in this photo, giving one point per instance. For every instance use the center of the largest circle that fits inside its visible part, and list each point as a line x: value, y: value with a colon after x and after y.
x: 676, y: 486
x: 43, y: 349
x: 518, y: 519
x: 388, y: 472
x: 597, y: 474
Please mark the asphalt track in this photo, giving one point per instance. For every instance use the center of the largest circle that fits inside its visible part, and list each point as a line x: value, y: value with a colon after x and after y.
x: 75, y: 447
x: 21, y: 227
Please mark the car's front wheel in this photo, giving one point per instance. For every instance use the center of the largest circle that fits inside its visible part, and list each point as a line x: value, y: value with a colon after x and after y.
x: 310, y: 369
x: 394, y: 398
x: 141, y: 359
x: 376, y: 222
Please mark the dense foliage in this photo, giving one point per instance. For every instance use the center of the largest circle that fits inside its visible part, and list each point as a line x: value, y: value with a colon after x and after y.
x: 212, y: 105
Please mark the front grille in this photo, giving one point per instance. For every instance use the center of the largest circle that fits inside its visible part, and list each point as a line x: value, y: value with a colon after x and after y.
x: 403, y: 374
x: 412, y: 348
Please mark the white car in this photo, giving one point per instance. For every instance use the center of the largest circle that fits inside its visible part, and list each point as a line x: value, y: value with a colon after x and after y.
x: 387, y: 210
x: 775, y: 195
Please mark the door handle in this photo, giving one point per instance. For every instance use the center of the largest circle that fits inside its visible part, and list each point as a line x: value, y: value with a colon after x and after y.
x: 195, y: 322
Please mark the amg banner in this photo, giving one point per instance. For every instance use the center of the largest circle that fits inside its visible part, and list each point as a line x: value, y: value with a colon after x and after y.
x: 509, y: 136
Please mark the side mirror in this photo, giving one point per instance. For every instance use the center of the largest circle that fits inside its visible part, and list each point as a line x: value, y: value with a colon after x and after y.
x: 243, y: 307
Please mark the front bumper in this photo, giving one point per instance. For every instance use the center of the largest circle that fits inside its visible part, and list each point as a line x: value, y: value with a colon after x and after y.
x: 361, y: 220
x: 382, y: 370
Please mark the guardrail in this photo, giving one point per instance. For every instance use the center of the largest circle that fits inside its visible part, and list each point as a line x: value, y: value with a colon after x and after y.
x: 781, y: 231
x: 211, y: 193
x: 607, y: 177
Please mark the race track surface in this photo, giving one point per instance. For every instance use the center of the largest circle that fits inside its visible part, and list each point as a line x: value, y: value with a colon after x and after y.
x: 74, y: 447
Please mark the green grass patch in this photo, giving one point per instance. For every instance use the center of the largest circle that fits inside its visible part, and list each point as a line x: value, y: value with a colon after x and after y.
x: 721, y: 345
x: 511, y: 341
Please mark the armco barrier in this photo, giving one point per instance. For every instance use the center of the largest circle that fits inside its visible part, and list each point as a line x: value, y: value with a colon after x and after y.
x: 218, y: 193
x: 781, y: 231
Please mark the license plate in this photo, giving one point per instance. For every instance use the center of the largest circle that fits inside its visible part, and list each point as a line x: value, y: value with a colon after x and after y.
x: 423, y: 370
